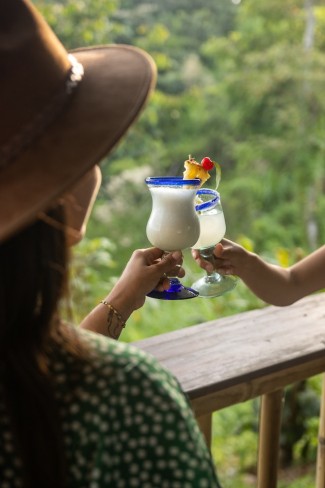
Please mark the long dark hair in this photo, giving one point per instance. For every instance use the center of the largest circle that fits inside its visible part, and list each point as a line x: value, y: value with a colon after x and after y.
x: 33, y: 277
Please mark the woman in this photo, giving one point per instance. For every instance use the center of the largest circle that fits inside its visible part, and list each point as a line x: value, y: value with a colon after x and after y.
x: 76, y: 409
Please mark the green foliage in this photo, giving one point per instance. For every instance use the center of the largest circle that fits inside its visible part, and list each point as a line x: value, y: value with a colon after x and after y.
x: 300, y: 423
x: 306, y: 481
x: 80, y: 23
x: 235, y: 439
x: 91, y: 261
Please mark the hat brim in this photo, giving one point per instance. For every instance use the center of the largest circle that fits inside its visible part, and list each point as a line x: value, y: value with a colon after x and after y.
x: 116, y: 85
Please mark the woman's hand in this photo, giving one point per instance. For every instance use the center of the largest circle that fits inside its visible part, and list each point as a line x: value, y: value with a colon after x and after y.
x: 146, y: 270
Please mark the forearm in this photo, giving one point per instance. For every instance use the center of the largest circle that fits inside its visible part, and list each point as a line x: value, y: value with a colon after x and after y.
x: 109, y: 316
x: 284, y: 286
x: 144, y: 272
x: 269, y: 282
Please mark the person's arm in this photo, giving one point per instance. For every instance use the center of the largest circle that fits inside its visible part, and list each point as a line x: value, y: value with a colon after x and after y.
x: 145, y: 271
x: 273, y: 284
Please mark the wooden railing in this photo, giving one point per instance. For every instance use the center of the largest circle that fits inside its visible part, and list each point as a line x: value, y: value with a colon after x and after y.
x: 252, y: 354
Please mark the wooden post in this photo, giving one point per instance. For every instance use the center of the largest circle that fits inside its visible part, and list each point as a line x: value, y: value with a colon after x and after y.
x: 320, y: 466
x: 205, y: 424
x: 269, y: 439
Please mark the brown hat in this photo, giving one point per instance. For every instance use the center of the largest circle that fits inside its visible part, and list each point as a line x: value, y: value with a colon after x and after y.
x: 59, y: 115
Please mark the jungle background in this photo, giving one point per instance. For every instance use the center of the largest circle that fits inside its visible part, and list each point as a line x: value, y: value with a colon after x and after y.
x: 243, y: 82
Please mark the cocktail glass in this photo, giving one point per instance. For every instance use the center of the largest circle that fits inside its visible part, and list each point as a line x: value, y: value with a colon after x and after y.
x: 173, y: 224
x: 212, y: 230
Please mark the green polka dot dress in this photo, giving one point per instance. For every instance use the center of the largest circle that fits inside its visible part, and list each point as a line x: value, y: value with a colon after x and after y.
x: 126, y: 423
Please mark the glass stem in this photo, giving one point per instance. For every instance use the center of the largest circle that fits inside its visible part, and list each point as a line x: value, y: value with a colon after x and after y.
x: 174, y: 277
x: 208, y: 255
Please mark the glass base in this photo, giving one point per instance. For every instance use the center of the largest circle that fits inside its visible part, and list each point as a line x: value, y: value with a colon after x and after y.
x: 176, y: 291
x: 214, y: 285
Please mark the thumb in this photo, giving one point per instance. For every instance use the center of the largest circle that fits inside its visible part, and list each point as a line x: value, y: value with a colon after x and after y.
x: 218, y: 250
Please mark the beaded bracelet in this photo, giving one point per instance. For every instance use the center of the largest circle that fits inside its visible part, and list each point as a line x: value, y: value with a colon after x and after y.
x: 114, y: 329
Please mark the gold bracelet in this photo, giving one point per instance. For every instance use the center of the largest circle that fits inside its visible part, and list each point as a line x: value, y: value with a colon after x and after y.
x: 114, y: 326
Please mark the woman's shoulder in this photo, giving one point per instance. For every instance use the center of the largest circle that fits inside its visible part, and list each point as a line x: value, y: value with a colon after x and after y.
x: 130, y: 401
x: 109, y: 351
x: 127, y: 358
x: 106, y: 362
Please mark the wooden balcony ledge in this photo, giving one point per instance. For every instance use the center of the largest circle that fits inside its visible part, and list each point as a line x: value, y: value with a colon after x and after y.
x: 257, y: 353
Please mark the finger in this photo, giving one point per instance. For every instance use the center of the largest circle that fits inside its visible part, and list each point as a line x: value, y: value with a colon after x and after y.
x: 206, y: 265
x: 226, y: 242
x: 228, y: 248
x: 219, y: 263
x: 225, y: 270
x: 170, y: 261
x: 153, y: 253
x: 176, y: 271
x: 176, y: 256
x: 163, y: 284
x: 195, y: 253
x: 181, y: 272
x: 224, y: 266
x: 197, y: 257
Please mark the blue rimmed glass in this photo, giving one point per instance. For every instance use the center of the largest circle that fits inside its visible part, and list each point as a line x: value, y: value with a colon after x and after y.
x: 173, y: 224
x: 212, y: 230
x: 206, y: 204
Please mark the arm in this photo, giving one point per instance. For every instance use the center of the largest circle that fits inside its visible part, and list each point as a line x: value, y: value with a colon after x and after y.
x: 273, y: 284
x: 144, y: 272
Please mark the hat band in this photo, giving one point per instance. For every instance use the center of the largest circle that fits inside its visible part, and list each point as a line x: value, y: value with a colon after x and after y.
x: 43, y: 119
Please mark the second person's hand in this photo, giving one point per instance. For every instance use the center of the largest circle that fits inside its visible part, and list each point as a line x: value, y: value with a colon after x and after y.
x: 229, y: 258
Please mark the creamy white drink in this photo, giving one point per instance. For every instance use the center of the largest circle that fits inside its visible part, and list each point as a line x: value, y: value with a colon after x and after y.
x: 173, y: 223
x: 212, y: 228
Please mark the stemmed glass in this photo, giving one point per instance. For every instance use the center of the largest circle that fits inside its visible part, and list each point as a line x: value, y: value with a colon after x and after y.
x: 173, y: 224
x: 212, y: 230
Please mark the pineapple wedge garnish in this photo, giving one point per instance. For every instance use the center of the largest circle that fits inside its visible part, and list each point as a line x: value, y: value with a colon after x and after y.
x: 193, y: 169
